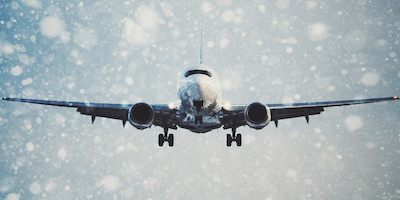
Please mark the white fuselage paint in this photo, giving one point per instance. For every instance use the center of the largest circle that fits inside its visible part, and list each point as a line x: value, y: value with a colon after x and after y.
x: 200, y: 87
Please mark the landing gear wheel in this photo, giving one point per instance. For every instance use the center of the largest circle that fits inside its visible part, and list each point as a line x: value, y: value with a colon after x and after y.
x: 171, y: 140
x: 239, y: 140
x: 234, y: 138
x: 229, y: 140
x: 160, y: 140
x: 165, y: 138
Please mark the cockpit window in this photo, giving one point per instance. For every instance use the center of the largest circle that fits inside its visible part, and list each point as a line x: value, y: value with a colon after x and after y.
x: 198, y: 71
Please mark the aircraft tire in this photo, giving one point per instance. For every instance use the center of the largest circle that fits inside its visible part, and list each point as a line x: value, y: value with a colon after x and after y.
x: 160, y: 140
x: 239, y: 140
x: 171, y: 140
x: 228, y: 140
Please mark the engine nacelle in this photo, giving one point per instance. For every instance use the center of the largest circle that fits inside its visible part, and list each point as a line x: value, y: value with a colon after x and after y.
x: 257, y: 115
x: 141, y: 115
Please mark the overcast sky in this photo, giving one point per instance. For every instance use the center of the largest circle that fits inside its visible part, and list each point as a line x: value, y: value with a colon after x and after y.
x: 263, y: 51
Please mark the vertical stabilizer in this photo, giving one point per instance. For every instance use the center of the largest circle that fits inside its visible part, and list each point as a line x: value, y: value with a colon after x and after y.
x: 201, y: 46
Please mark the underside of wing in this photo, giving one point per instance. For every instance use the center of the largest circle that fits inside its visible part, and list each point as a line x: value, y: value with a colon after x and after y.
x: 286, y: 113
x: 165, y: 116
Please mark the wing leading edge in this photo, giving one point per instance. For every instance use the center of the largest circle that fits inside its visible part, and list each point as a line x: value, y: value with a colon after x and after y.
x: 234, y: 117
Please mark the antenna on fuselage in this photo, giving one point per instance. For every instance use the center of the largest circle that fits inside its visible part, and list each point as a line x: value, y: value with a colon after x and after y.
x: 201, y: 46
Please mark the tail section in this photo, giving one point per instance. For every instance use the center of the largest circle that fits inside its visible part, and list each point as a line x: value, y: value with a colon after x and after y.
x: 201, y: 46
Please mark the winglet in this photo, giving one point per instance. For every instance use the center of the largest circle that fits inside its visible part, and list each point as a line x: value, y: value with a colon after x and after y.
x: 201, y: 46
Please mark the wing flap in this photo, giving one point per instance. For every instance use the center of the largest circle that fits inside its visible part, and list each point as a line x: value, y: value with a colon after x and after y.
x: 278, y: 114
x: 112, y: 113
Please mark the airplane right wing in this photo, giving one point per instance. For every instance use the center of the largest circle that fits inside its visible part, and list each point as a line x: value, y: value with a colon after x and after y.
x: 234, y: 117
x: 286, y: 111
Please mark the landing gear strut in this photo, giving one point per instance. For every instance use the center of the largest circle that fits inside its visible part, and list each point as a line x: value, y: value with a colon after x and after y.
x: 234, y: 138
x: 166, y: 138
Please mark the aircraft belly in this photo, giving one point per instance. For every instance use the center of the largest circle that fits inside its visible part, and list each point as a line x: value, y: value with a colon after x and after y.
x: 209, y: 123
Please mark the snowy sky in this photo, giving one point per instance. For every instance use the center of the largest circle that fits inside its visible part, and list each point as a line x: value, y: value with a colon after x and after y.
x: 266, y: 51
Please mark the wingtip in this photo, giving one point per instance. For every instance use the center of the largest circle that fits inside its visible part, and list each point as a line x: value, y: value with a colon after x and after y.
x: 4, y: 98
x: 395, y: 97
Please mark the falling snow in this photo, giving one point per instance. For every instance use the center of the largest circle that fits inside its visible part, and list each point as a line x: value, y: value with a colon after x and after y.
x: 224, y: 42
x: 13, y: 196
x: 51, y: 26
x: 35, y: 188
x: 62, y: 153
x: 228, y: 15
x: 32, y: 3
x: 29, y: 146
x: 370, y: 79
x: 317, y: 31
x: 278, y: 51
x: 143, y: 29
x: 16, y: 71
x: 353, y: 123
x: 26, y: 81
x: 110, y: 183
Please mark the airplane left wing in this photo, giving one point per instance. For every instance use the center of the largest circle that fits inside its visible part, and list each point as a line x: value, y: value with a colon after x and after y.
x: 234, y: 117
x: 164, y: 116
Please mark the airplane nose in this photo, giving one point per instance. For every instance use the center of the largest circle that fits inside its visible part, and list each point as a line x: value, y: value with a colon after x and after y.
x: 199, y: 88
x: 209, y: 93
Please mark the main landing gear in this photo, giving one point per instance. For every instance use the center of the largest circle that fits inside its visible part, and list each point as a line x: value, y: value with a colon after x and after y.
x: 234, y: 138
x: 166, y: 138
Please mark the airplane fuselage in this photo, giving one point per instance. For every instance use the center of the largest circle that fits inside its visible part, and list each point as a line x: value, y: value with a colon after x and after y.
x: 199, y: 91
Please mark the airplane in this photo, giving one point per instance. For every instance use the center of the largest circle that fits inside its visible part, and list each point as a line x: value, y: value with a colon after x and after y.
x: 201, y: 109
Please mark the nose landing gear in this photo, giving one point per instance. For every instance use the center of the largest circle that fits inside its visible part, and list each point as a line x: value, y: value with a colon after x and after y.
x: 166, y: 138
x: 198, y: 119
x: 234, y: 138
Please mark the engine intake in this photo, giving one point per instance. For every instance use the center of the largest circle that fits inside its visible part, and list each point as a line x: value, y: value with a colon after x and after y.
x: 257, y: 115
x: 141, y: 115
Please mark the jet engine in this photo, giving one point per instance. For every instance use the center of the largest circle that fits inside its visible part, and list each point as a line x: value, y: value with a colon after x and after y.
x: 257, y: 115
x: 141, y: 115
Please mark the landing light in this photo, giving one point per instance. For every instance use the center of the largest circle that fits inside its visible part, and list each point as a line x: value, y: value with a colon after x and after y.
x: 171, y: 105
x: 227, y: 106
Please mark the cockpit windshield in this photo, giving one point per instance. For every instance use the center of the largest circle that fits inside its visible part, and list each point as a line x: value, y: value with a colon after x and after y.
x: 198, y: 71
